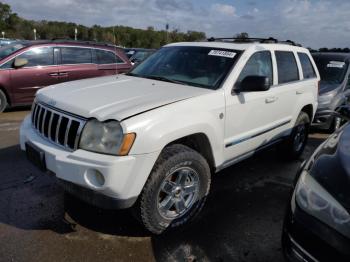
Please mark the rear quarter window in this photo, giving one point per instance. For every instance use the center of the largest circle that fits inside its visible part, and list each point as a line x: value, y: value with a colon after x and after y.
x: 287, y: 67
x: 107, y: 57
x: 306, y: 65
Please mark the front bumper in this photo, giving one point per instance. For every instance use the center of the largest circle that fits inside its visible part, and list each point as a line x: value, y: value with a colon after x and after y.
x: 306, y: 239
x: 124, y: 177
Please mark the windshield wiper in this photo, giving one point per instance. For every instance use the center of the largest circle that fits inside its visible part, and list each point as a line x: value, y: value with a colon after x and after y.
x: 163, y: 78
x: 132, y: 74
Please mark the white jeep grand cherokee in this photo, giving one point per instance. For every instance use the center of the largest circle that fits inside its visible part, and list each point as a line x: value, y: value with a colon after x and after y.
x: 151, y: 139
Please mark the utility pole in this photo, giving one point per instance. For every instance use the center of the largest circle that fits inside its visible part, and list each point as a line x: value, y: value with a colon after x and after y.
x: 167, y: 32
x: 34, y: 30
x: 76, y: 34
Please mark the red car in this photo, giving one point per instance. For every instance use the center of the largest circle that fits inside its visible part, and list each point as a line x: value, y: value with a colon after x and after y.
x: 26, y: 67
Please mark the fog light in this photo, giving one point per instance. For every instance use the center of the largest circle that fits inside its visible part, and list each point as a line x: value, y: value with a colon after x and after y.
x: 95, y: 178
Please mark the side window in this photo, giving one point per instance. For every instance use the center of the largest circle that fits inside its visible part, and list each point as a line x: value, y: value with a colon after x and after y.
x: 308, y: 69
x: 107, y: 57
x: 75, y: 55
x: 38, y: 56
x: 287, y: 67
x: 259, y: 64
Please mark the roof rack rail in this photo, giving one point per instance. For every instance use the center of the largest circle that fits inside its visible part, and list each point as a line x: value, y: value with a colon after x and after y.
x: 269, y: 40
x: 90, y: 42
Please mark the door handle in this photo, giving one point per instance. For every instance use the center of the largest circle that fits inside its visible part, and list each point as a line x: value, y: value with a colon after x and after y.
x: 270, y: 100
x: 299, y: 92
x: 63, y: 74
x: 53, y: 74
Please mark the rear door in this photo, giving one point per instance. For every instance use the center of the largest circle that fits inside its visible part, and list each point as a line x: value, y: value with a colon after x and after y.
x: 285, y: 93
x: 109, y: 63
x: 76, y: 63
x: 40, y: 71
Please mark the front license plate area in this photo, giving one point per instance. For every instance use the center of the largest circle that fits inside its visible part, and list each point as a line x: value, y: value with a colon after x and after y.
x: 36, y: 156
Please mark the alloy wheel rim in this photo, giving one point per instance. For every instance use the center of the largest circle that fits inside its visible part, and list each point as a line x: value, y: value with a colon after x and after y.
x: 178, y: 192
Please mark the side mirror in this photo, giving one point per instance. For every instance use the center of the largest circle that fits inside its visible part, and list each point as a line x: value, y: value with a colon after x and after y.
x: 20, y: 62
x: 254, y: 84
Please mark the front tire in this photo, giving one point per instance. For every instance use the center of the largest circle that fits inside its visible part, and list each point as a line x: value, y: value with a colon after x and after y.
x: 3, y: 101
x: 294, y: 146
x: 175, y: 191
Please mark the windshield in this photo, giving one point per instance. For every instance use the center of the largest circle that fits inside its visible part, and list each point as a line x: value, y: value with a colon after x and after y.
x: 331, y: 71
x: 203, y: 67
x: 9, y: 49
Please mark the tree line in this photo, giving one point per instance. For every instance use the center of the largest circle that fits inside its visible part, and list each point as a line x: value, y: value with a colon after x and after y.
x: 19, y: 28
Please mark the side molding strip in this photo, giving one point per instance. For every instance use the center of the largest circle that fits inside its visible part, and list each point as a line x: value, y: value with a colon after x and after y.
x: 236, y: 142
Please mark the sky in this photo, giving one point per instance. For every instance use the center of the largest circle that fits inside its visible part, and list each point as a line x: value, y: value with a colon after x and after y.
x: 313, y: 23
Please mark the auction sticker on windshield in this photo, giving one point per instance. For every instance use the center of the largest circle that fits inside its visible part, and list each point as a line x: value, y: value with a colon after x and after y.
x: 222, y: 53
x: 336, y: 64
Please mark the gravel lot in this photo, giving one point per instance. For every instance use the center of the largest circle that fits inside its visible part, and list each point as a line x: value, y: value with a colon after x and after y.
x: 241, y: 222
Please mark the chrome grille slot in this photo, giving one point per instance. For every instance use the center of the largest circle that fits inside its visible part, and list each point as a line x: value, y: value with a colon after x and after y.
x: 56, y: 126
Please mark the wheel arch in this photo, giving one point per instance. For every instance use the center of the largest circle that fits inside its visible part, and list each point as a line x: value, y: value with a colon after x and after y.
x: 6, y: 94
x: 309, y: 110
x: 200, y: 143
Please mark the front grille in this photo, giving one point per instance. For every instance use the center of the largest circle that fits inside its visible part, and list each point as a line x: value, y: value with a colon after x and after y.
x: 58, y: 127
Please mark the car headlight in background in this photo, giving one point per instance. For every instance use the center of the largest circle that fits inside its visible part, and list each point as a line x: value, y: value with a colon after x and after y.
x: 326, y: 98
x: 106, y: 138
x: 316, y: 201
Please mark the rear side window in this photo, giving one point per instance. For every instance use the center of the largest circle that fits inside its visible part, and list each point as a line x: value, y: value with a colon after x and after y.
x: 259, y: 64
x: 107, y: 57
x: 38, y: 56
x: 74, y: 55
x: 287, y: 67
x: 308, y: 69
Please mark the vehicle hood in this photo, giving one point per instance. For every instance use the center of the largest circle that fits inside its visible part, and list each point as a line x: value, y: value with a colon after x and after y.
x: 331, y: 165
x: 326, y: 87
x: 115, y: 97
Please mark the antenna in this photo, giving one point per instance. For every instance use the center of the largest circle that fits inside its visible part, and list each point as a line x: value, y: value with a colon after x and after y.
x: 115, y: 50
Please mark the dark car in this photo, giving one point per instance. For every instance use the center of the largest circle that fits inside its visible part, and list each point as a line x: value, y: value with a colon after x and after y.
x: 317, y: 222
x: 137, y: 55
x: 26, y: 67
x: 334, y: 87
x: 141, y: 55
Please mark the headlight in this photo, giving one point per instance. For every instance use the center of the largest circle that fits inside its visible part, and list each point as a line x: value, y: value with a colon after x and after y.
x: 106, y: 137
x: 317, y: 202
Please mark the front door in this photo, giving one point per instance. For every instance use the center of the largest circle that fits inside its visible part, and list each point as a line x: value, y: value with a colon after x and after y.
x: 40, y: 71
x: 252, y: 116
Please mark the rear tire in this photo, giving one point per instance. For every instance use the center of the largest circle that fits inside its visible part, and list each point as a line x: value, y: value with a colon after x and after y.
x: 294, y: 146
x: 3, y: 101
x: 175, y: 191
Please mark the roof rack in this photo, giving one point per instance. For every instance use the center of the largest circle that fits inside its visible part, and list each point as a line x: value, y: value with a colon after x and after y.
x: 90, y: 42
x: 269, y: 40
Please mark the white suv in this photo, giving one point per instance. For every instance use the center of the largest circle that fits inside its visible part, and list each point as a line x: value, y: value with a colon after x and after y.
x: 151, y: 139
